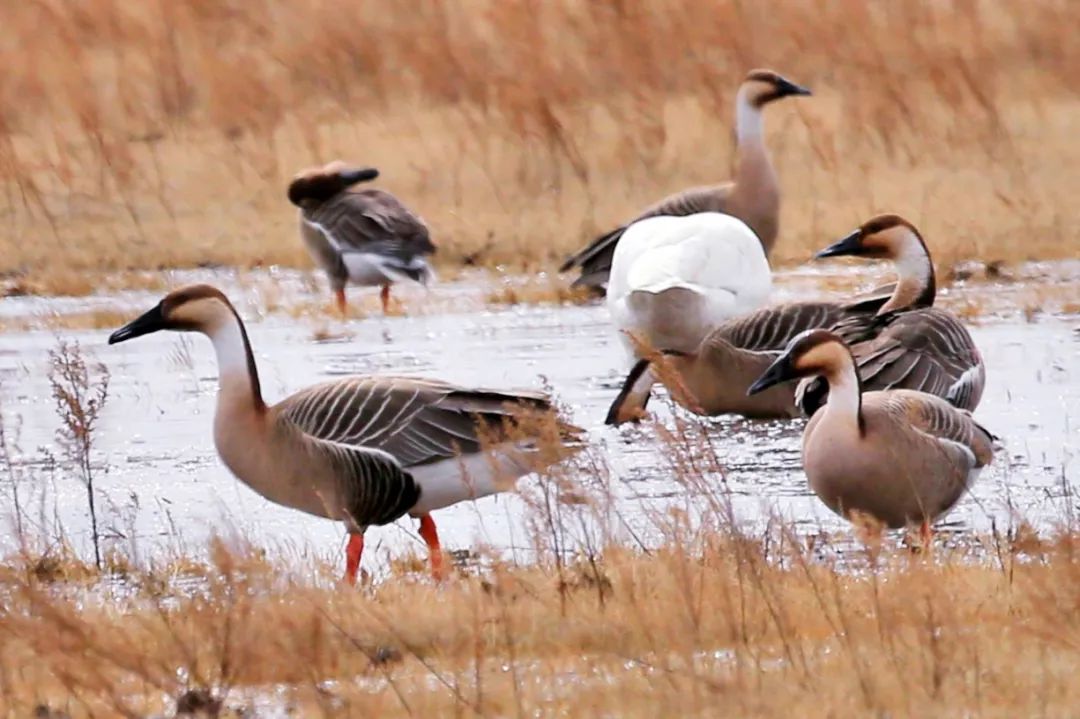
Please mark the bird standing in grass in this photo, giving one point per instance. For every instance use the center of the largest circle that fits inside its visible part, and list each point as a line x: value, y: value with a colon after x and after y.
x: 364, y: 237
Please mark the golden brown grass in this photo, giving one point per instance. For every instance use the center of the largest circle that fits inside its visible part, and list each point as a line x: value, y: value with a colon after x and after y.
x: 698, y: 618
x: 149, y: 135
x: 712, y: 625
x: 99, y: 319
x: 540, y: 289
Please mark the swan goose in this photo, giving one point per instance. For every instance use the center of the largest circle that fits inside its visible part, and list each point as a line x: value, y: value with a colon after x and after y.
x: 361, y: 450
x: 753, y: 196
x: 713, y: 378
x: 908, y: 343
x: 900, y: 456
x: 366, y: 237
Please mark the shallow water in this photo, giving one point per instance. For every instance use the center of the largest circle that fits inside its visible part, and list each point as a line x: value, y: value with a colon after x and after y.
x: 164, y: 486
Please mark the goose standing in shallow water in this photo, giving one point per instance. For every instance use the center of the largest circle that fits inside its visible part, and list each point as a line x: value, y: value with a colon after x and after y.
x: 908, y: 343
x: 673, y: 279
x: 363, y: 450
x: 900, y: 456
x: 753, y: 196
x: 366, y: 237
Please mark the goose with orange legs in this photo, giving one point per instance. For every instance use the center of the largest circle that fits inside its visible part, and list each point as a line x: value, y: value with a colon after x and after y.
x: 364, y: 451
x: 359, y: 236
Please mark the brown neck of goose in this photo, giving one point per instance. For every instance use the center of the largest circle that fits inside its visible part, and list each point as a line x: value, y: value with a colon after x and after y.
x: 310, y: 191
x: 755, y: 197
x: 238, y: 376
x: 845, y: 385
x: 916, y: 283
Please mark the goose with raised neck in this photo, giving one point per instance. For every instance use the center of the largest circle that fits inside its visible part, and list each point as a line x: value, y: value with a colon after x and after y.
x: 362, y: 450
x: 753, y: 195
x: 908, y: 343
x: 901, y: 457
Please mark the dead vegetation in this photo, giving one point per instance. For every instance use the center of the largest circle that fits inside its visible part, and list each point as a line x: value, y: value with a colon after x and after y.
x: 148, y: 135
x: 707, y: 623
x: 681, y: 611
x: 539, y: 289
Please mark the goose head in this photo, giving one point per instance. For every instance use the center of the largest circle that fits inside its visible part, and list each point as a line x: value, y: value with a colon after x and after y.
x: 891, y: 237
x: 319, y: 184
x: 195, y: 308
x: 808, y: 354
x: 764, y: 86
x: 882, y: 237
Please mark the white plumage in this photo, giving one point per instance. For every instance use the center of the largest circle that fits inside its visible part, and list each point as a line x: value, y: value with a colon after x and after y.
x: 675, y: 278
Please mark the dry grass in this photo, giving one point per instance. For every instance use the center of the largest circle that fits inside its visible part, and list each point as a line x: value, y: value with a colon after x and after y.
x: 687, y: 614
x: 150, y: 135
x: 99, y: 319
x: 716, y: 625
x: 539, y: 289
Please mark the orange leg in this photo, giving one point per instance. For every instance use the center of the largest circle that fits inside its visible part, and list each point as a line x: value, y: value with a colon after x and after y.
x: 339, y: 297
x: 431, y: 537
x: 352, y: 556
x: 926, y: 534
x: 384, y: 295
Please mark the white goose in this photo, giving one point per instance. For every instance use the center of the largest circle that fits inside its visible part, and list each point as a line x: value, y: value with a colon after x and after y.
x: 673, y: 279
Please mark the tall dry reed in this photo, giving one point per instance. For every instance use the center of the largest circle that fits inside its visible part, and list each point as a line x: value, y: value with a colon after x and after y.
x: 162, y: 133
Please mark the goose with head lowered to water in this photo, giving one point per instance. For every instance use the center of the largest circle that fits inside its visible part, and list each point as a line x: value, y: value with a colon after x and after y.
x: 753, y: 195
x: 366, y: 237
x: 361, y: 450
x: 674, y: 279
x: 899, y: 341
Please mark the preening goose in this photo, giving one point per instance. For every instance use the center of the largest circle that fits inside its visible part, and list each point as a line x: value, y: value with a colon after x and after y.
x: 900, y: 456
x: 908, y: 343
x: 362, y: 450
x: 673, y: 279
x: 753, y: 196
x: 366, y: 237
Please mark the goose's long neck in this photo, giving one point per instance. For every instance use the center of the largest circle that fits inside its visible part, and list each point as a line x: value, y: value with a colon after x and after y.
x: 844, y: 404
x: 756, y: 193
x: 915, y: 284
x: 238, y: 380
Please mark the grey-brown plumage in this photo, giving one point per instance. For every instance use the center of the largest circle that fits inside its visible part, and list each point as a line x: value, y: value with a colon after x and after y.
x: 900, y: 456
x: 363, y: 237
x: 753, y: 196
x: 380, y: 428
x: 916, y: 457
x: 925, y: 349
x: 363, y: 450
x: 908, y: 344
x: 713, y: 379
